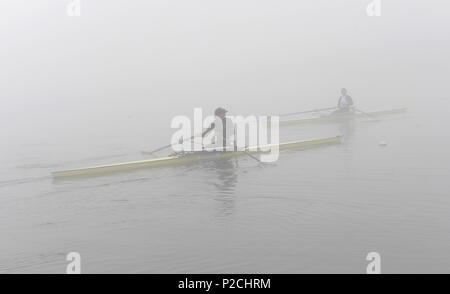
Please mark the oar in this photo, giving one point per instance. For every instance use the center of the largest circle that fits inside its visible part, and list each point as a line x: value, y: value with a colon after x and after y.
x: 250, y: 155
x: 180, y: 142
x: 365, y: 113
x: 156, y: 150
x: 254, y: 157
x: 162, y: 148
x: 309, y: 111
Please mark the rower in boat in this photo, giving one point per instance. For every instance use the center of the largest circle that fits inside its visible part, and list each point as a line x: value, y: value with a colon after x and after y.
x: 224, y: 130
x: 223, y: 127
x: 345, y: 103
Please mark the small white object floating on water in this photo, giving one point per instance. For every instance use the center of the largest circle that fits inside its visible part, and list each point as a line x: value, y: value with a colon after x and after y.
x: 382, y: 144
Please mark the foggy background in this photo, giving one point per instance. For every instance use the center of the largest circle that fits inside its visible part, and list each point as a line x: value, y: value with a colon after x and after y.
x: 154, y: 59
x: 107, y: 84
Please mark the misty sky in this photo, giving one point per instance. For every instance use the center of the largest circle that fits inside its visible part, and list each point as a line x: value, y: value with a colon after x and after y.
x: 157, y: 59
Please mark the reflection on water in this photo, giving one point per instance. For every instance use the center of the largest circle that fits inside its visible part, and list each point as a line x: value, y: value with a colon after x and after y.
x: 224, y: 177
x: 347, y: 129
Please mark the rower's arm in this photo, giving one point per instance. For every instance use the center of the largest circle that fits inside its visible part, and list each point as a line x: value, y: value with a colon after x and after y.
x: 208, y: 129
x: 203, y: 134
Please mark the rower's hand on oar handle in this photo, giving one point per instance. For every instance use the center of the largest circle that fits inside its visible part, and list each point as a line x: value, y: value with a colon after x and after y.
x: 196, y: 135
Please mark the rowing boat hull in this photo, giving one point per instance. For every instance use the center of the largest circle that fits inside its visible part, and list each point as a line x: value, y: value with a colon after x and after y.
x: 201, y: 156
x: 340, y: 117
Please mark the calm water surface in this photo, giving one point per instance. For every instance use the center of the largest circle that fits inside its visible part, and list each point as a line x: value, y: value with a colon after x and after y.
x: 314, y: 211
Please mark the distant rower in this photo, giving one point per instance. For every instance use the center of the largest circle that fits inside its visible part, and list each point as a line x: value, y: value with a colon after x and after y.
x: 345, y: 102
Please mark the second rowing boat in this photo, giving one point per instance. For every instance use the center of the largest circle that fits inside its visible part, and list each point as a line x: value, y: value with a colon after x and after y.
x: 339, y: 117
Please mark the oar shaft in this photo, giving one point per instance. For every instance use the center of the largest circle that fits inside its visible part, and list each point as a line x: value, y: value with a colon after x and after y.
x: 309, y: 111
x: 162, y: 148
x: 246, y: 153
x: 170, y: 145
x: 365, y: 113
